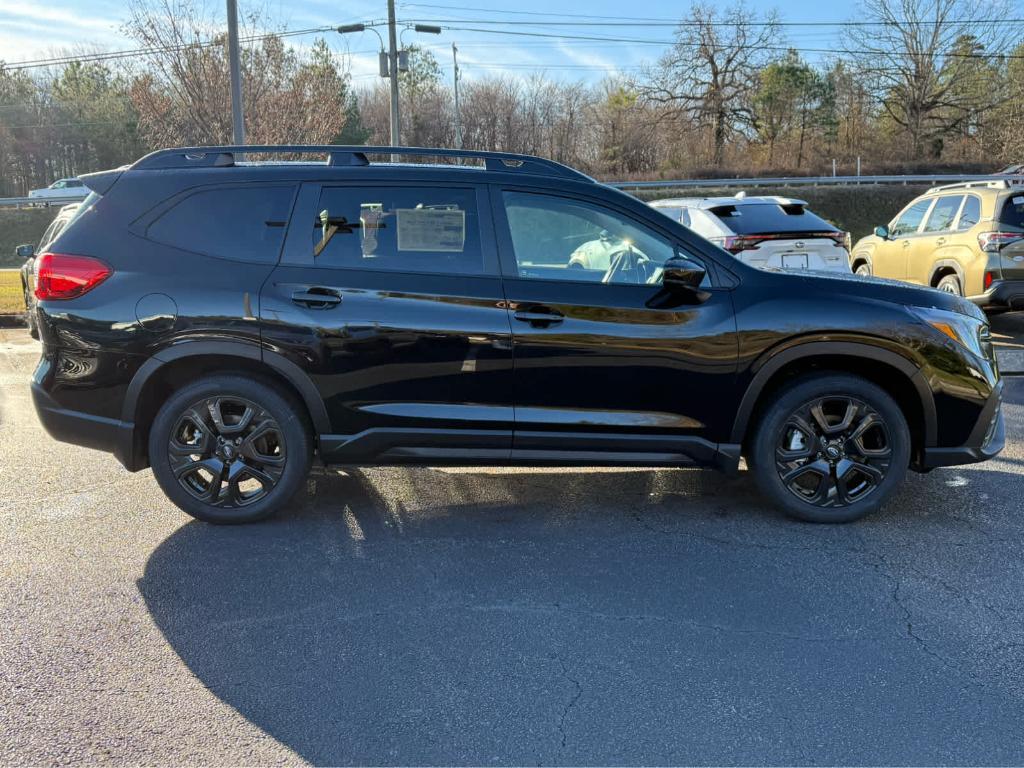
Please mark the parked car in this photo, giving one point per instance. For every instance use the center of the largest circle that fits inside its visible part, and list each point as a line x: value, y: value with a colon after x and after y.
x: 62, y: 188
x: 228, y: 324
x: 28, y: 252
x: 966, y: 239
x: 765, y: 232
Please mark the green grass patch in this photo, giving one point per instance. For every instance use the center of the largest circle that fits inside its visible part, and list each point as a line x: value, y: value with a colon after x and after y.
x: 22, y: 225
x: 12, y: 299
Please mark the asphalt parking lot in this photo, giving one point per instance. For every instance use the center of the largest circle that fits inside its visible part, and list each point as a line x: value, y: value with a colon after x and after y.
x: 480, y: 617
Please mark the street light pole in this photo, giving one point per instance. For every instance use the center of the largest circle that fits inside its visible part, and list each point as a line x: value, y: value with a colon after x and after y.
x: 458, y: 117
x: 396, y: 130
x: 237, y: 118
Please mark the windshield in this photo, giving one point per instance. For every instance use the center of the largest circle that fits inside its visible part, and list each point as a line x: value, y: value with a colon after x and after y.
x: 769, y: 218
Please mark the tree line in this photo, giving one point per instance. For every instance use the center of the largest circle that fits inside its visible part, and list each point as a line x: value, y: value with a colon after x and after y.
x: 916, y: 85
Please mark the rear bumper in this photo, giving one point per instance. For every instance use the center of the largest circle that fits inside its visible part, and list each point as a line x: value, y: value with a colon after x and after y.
x: 1003, y: 294
x: 987, y: 438
x: 87, y: 430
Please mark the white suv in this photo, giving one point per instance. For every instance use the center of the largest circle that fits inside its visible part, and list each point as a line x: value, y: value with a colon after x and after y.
x: 62, y: 188
x: 764, y: 232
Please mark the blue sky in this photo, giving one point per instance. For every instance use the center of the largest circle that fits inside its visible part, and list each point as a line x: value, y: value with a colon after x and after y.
x: 32, y: 29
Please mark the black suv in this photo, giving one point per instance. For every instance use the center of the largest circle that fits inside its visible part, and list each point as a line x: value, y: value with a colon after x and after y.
x: 229, y: 320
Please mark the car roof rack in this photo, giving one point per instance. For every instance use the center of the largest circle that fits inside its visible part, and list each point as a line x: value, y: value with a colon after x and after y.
x: 350, y: 156
x: 987, y: 183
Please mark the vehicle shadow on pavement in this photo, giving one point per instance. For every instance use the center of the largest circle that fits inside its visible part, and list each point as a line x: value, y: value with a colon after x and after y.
x: 470, y: 617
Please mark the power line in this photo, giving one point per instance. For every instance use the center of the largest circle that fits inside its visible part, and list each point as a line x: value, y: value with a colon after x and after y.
x: 782, y: 48
x: 644, y: 21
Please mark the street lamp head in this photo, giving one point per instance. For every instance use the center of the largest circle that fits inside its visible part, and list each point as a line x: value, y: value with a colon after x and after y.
x: 346, y: 28
x: 429, y: 28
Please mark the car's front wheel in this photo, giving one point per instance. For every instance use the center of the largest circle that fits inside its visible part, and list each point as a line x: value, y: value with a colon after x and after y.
x: 230, y: 449
x: 831, y: 448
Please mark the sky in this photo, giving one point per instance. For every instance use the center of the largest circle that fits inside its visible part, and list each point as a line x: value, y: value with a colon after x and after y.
x: 32, y: 29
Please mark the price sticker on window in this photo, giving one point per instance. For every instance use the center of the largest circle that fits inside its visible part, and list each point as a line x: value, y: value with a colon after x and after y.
x: 431, y: 229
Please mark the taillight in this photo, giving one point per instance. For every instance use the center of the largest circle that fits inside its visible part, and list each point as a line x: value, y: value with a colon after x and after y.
x: 989, y: 277
x: 993, y: 242
x: 60, y: 276
x: 740, y: 243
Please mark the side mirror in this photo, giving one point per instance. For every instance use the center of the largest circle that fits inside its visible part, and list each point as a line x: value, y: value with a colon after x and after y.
x: 882, y: 232
x: 26, y: 251
x: 680, y: 273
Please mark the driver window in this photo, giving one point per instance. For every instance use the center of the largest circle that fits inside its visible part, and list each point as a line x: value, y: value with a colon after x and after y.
x: 557, y: 238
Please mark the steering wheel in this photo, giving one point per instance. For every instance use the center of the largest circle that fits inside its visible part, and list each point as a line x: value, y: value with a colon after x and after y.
x: 629, y: 266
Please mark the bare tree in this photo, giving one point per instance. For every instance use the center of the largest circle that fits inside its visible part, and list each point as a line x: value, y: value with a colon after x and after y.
x: 711, y: 70
x: 182, y: 91
x: 921, y: 56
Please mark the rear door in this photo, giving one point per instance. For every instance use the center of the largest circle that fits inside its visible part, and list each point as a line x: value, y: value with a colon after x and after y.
x: 935, y: 242
x: 608, y: 365
x: 389, y: 298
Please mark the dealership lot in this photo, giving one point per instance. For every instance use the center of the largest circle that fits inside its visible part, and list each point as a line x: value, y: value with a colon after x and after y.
x: 505, y: 616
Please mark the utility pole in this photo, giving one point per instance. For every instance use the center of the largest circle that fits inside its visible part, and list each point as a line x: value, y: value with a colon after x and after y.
x: 237, y: 119
x: 458, y: 118
x: 396, y: 129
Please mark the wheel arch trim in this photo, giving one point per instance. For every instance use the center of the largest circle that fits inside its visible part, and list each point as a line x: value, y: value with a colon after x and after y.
x: 228, y: 349
x: 942, y: 264
x: 767, y: 368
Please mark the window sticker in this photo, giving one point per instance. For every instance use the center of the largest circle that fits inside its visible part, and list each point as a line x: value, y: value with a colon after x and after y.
x: 439, y: 229
x: 371, y: 217
x: 1019, y: 200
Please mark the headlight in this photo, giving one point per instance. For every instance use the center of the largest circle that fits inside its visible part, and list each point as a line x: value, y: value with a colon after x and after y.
x: 968, y: 332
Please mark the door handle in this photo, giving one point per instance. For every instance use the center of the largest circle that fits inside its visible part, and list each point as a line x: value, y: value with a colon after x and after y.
x: 539, y: 316
x: 906, y: 243
x: 317, y: 298
x: 941, y: 241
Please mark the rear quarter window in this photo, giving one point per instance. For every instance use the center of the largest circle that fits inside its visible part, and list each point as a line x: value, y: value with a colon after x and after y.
x: 767, y: 218
x: 235, y: 223
x: 1013, y: 211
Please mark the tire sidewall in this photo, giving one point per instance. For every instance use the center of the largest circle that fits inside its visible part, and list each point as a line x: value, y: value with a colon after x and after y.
x: 951, y: 280
x: 294, y: 430
x: 762, y: 458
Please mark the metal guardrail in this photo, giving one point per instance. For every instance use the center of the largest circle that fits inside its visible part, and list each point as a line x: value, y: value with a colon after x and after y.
x: 38, y: 202
x: 812, y: 181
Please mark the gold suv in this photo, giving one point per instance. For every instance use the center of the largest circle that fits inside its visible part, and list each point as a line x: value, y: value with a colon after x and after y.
x: 966, y: 239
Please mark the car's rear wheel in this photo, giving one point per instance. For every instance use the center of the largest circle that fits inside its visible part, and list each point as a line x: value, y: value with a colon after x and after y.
x: 950, y: 284
x: 863, y: 269
x: 831, y: 448
x: 230, y: 449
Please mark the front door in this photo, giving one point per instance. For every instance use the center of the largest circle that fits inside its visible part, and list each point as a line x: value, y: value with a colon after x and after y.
x: 608, y: 365
x: 892, y: 256
x: 389, y: 298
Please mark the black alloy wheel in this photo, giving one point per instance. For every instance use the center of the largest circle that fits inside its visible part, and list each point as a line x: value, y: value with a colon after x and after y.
x: 833, y: 451
x: 830, y: 447
x: 230, y: 448
x: 227, y: 451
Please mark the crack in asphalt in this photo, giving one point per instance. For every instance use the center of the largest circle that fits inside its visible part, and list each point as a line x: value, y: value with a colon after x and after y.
x: 572, y: 701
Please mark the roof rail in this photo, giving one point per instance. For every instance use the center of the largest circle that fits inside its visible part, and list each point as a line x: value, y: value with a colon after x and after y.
x: 989, y: 183
x: 338, y: 155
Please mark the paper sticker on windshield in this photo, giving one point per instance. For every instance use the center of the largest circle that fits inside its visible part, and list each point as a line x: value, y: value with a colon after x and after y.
x: 1019, y: 200
x: 431, y: 229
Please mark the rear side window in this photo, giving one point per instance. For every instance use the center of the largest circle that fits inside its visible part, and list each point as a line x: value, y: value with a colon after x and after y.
x: 942, y: 215
x: 971, y: 213
x: 411, y: 229
x: 237, y: 223
x: 1013, y: 211
x: 768, y: 218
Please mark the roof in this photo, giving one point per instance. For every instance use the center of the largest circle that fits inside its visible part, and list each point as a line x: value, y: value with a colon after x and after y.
x: 716, y: 202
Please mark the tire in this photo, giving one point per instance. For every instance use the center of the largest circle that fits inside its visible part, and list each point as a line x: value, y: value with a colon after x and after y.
x: 863, y: 269
x: 230, y: 449
x: 950, y: 284
x: 870, y: 466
